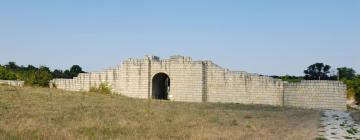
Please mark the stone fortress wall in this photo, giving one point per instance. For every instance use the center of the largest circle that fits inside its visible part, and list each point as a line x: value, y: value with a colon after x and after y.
x: 204, y: 81
x: 316, y: 94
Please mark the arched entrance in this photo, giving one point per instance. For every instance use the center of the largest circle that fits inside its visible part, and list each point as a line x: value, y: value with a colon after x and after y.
x: 160, y: 86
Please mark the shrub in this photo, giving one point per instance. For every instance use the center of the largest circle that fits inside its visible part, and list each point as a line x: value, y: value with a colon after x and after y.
x: 103, y: 88
x: 34, y: 76
x: 357, y: 98
x: 353, y: 88
x: 7, y: 74
x: 320, y: 138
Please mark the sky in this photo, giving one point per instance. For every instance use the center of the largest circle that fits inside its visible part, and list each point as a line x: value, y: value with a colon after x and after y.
x: 270, y: 37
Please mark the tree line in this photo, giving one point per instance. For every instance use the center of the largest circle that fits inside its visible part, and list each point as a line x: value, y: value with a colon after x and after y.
x: 36, y: 76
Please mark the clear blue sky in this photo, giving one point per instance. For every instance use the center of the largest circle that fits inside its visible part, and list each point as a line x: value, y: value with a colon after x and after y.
x: 266, y: 37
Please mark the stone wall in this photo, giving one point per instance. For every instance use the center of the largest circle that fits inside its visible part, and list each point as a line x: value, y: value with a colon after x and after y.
x: 185, y: 77
x: 204, y: 81
x: 133, y: 78
x: 241, y: 87
x: 12, y: 83
x: 84, y: 81
x: 316, y: 94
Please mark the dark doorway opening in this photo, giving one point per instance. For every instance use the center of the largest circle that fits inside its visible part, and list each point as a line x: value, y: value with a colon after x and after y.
x: 160, y: 86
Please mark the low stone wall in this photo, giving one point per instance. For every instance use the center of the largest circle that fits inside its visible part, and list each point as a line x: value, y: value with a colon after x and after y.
x: 12, y: 83
x: 316, y: 94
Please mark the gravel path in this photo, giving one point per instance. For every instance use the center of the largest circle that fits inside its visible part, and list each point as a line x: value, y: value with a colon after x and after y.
x: 338, y: 125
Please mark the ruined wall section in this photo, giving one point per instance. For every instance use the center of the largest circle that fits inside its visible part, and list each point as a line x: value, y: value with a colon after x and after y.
x: 16, y: 83
x: 241, y: 87
x: 316, y: 94
x: 84, y: 81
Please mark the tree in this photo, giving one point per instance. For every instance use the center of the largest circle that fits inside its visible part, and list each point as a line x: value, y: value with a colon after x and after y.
x: 354, y: 87
x: 31, y: 67
x: 291, y: 79
x: 346, y: 73
x: 67, y: 74
x: 75, y: 70
x: 2, y: 73
x: 11, y: 76
x: 7, y: 74
x: 42, y: 77
x: 44, y: 68
x: 12, y: 66
x: 317, y: 71
x: 58, y: 74
x: 36, y: 76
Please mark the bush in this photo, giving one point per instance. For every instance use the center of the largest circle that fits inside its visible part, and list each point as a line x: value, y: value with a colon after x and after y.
x: 103, y: 88
x: 34, y: 76
x: 7, y: 74
x: 354, y: 88
x: 350, y: 93
x: 357, y: 98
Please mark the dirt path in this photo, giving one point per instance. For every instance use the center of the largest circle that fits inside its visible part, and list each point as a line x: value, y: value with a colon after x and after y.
x: 338, y: 125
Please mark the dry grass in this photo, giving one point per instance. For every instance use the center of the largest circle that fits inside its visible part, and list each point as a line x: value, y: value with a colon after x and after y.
x: 41, y: 113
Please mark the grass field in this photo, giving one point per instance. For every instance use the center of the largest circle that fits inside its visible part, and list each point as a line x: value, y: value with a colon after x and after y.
x: 42, y: 113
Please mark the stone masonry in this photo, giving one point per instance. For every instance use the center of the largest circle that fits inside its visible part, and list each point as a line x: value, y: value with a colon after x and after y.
x: 180, y: 78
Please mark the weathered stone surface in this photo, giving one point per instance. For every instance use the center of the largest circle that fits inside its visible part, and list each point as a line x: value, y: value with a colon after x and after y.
x: 316, y: 94
x: 204, y: 81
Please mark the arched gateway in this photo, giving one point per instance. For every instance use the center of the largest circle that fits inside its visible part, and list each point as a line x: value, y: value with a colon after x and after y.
x: 160, y: 86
